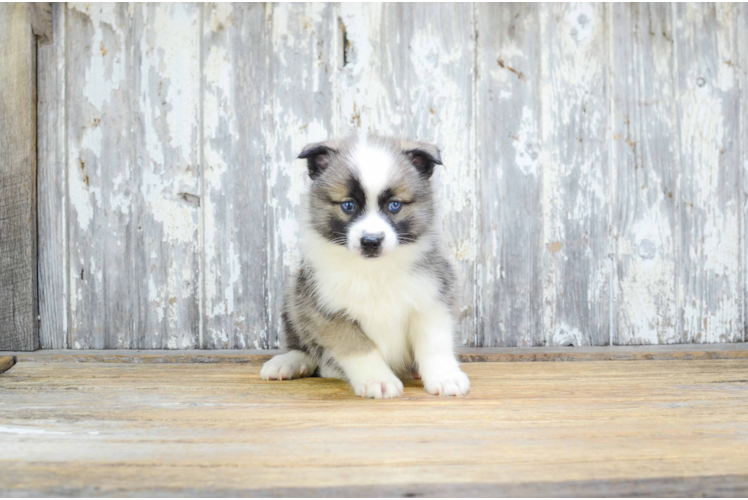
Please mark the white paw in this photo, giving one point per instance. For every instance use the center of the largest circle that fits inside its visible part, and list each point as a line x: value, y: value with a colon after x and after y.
x: 286, y: 367
x: 384, y: 389
x: 454, y: 383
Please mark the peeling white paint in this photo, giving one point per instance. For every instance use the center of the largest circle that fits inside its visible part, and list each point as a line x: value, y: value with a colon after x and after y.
x: 80, y: 198
x: 220, y: 17
x: 176, y: 39
x: 649, y: 287
x: 423, y: 87
x: 711, y: 296
x: 105, y: 74
x: 526, y: 156
x: 581, y: 21
x: 177, y: 219
x: 575, y: 184
x: 567, y: 335
x: 155, y: 299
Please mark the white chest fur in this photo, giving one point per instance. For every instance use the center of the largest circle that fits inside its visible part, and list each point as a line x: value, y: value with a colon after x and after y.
x: 381, y: 294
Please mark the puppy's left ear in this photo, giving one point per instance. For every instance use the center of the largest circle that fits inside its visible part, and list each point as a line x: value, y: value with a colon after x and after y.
x: 423, y: 156
x: 317, y: 158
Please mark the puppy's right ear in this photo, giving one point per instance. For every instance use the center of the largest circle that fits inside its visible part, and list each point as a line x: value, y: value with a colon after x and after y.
x: 423, y: 156
x: 317, y: 158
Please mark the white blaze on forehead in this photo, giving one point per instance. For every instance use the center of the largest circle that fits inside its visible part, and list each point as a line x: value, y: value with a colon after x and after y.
x: 374, y: 166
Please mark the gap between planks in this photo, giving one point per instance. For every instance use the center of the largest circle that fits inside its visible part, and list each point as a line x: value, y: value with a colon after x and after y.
x: 467, y: 355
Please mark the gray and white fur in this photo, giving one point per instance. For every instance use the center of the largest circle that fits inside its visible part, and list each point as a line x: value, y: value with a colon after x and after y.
x: 374, y: 299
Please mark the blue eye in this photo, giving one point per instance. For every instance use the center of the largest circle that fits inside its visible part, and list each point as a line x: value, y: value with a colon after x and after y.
x: 395, y: 206
x: 348, y: 206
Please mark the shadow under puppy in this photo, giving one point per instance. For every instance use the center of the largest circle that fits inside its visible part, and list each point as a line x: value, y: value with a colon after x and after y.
x: 375, y: 296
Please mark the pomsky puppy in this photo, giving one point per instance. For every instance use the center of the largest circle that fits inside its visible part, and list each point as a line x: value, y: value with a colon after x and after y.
x: 374, y: 299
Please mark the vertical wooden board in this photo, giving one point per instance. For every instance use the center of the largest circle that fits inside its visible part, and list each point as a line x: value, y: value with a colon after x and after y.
x: 52, y: 187
x: 645, y: 138
x: 510, y: 230
x: 302, y: 69
x: 576, y: 173
x: 40, y: 14
x: 743, y: 72
x: 708, y: 107
x: 235, y: 55
x: 407, y: 70
x: 18, y: 236
x: 104, y: 230
x: 165, y: 174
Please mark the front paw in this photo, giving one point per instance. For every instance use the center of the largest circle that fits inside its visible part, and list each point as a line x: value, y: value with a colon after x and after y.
x: 285, y: 367
x: 379, y: 389
x: 454, y: 383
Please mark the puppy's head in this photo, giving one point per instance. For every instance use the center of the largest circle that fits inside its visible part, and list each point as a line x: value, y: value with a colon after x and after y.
x: 371, y: 194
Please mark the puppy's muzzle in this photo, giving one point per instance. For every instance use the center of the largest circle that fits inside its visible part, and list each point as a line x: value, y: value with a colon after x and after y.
x: 371, y: 245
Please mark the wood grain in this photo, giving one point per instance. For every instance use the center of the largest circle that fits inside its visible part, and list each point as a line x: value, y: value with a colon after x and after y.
x: 466, y: 354
x: 133, y: 175
x: 133, y: 429
x: 40, y: 15
x: 165, y: 174
x: 510, y: 220
x: 52, y: 187
x: 303, y: 74
x: 236, y: 86
x: 18, y: 239
x: 576, y: 174
x: 717, y: 486
x: 646, y: 159
x: 105, y: 232
x: 743, y: 77
x: 591, y: 189
x: 710, y: 212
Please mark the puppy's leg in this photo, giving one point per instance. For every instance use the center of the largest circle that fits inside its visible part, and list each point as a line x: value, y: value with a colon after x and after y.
x: 293, y: 364
x: 369, y: 375
x: 346, y: 348
x: 359, y: 358
x: 433, y: 349
x: 329, y: 371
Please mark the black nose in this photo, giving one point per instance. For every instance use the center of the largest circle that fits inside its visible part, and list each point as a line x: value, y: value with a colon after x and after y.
x: 370, y: 243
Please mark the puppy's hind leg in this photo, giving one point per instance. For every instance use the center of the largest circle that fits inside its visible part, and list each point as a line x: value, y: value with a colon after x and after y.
x: 293, y: 364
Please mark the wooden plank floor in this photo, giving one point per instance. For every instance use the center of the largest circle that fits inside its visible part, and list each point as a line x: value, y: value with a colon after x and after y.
x: 467, y: 355
x: 573, y: 428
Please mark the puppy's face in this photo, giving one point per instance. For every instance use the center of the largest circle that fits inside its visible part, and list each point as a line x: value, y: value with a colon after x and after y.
x: 371, y: 195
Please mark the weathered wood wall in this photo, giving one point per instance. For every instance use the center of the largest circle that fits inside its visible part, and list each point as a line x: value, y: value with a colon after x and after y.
x: 18, y: 248
x: 593, y: 189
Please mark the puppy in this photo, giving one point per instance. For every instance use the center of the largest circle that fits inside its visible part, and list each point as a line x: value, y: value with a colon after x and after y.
x: 374, y: 298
